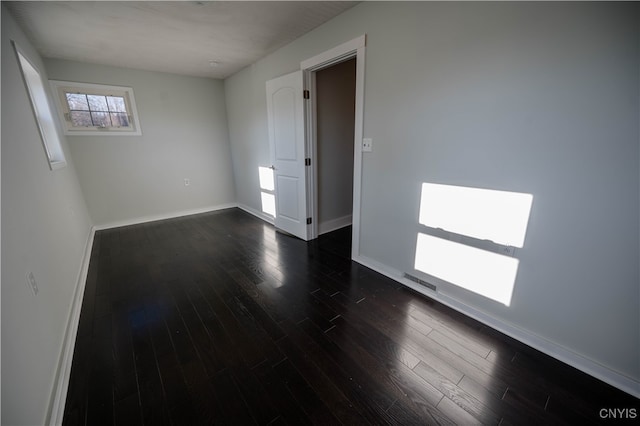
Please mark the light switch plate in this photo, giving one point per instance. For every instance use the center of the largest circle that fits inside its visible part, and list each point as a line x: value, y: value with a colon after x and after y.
x: 367, y: 145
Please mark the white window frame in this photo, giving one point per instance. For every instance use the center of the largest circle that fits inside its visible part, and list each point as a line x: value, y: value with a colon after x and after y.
x: 41, y: 108
x: 62, y: 87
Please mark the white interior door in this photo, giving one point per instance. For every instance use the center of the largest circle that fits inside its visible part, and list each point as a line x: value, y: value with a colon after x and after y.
x: 285, y: 109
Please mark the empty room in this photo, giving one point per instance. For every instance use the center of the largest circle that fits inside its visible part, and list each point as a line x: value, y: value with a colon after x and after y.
x: 315, y: 212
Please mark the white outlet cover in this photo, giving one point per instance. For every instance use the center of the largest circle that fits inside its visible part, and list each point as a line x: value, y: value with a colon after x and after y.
x: 367, y: 145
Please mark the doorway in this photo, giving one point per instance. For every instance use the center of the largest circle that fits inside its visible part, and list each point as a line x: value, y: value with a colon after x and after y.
x: 294, y: 173
x: 335, y: 88
x: 348, y: 55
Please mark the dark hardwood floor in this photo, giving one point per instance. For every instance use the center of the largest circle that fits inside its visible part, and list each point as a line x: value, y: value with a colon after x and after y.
x: 219, y: 319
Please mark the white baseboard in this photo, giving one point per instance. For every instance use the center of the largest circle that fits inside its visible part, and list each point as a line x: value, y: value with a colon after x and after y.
x: 554, y: 350
x: 163, y: 216
x: 260, y: 215
x: 334, y: 224
x: 61, y: 384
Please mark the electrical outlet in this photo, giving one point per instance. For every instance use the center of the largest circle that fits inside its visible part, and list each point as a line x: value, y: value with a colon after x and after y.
x: 32, y: 283
x: 187, y: 182
x: 367, y: 145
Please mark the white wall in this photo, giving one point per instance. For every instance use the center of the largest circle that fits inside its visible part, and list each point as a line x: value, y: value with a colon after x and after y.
x: 184, y: 135
x: 45, y: 226
x: 335, y: 117
x: 539, y: 98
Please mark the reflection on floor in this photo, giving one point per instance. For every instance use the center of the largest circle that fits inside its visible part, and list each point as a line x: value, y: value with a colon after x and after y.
x: 219, y: 319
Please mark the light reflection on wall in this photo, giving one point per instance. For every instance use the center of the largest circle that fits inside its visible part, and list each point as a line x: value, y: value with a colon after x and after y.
x: 267, y: 186
x: 486, y: 214
x: 268, y: 203
x: 483, y: 214
x: 266, y: 178
x: 271, y: 257
x: 490, y: 274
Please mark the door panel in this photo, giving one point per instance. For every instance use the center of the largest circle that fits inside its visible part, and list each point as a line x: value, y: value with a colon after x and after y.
x: 284, y: 125
x: 287, y: 206
x: 285, y: 109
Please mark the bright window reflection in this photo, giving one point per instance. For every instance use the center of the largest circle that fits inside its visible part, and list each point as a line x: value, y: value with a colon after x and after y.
x: 489, y: 274
x: 271, y: 256
x: 499, y: 216
x: 267, y: 184
x: 268, y: 203
x: 266, y: 178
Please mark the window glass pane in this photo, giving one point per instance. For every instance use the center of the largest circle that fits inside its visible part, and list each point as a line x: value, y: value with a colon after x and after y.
x: 116, y: 104
x: 97, y: 103
x: 80, y: 119
x: 101, y: 119
x: 119, y: 119
x: 77, y: 101
x: 91, y: 109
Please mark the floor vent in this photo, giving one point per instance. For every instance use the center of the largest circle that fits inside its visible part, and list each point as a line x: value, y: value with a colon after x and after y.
x: 421, y: 282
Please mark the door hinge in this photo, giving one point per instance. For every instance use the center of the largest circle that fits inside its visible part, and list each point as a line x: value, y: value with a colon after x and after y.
x: 305, y: 94
x: 308, y: 221
x: 307, y: 161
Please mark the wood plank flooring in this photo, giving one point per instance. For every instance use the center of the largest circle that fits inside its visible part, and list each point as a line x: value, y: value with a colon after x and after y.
x: 219, y: 319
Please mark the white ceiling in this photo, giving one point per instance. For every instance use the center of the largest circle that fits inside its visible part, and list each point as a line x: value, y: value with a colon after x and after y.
x: 180, y: 37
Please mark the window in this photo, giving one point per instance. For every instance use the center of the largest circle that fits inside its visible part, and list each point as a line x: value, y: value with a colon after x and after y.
x: 41, y: 110
x: 90, y: 109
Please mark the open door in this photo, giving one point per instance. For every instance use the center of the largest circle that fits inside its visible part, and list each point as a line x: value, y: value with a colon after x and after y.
x: 285, y: 109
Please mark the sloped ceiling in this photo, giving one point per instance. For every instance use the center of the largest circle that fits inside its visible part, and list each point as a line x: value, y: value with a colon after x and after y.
x: 201, y: 38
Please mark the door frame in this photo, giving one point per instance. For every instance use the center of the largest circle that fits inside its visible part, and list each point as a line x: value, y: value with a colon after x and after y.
x: 351, y: 49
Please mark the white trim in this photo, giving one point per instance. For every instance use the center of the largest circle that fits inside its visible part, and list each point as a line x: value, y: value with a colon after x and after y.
x: 163, y: 216
x: 337, y: 53
x: 57, y: 165
x: 357, y: 152
x: 41, y: 108
x: 61, y: 385
x: 333, y: 224
x: 260, y: 215
x: 310, y: 128
x: 554, y: 350
x: 351, y: 49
